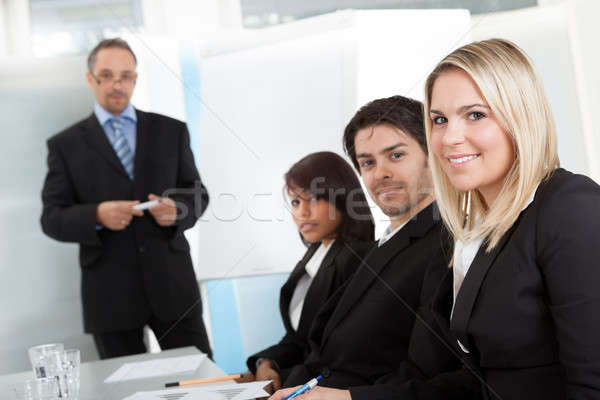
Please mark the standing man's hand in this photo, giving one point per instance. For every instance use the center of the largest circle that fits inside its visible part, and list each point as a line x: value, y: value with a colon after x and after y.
x: 117, y: 215
x: 266, y: 372
x: 164, y: 213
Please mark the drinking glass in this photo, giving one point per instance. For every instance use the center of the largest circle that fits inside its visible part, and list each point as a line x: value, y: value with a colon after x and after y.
x: 71, y: 360
x: 38, y: 389
x: 44, y: 359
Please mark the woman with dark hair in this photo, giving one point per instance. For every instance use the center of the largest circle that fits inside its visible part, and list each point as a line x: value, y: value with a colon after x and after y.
x: 335, y: 223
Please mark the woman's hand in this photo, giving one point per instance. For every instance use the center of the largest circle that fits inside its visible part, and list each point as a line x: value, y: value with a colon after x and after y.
x: 246, y: 377
x: 267, y: 372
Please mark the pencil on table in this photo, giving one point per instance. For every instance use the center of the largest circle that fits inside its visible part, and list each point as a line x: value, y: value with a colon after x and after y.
x: 205, y: 380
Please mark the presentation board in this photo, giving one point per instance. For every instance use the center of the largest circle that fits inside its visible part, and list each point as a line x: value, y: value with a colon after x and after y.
x: 269, y: 99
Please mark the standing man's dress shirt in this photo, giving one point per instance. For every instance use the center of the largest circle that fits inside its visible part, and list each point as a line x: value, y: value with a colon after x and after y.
x: 128, y: 119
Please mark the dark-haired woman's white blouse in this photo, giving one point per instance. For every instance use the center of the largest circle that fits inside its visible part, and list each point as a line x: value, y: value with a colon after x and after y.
x: 312, y: 268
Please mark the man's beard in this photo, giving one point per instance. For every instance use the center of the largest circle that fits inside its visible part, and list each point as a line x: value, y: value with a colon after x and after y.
x: 411, y: 202
x: 396, y: 211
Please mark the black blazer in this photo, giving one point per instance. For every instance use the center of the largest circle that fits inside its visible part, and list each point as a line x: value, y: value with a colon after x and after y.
x: 529, y: 311
x: 145, y: 269
x: 340, y: 263
x: 363, y: 331
x: 435, y: 368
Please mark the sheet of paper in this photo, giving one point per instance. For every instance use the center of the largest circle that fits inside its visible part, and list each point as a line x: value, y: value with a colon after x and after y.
x: 232, y: 391
x: 155, y: 368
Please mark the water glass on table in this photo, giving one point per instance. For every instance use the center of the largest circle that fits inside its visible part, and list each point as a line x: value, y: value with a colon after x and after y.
x: 71, y: 360
x: 45, y: 360
x: 38, y: 389
x: 52, y: 361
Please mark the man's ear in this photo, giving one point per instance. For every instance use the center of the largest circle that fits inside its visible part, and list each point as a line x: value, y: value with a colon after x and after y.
x: 91, y: 80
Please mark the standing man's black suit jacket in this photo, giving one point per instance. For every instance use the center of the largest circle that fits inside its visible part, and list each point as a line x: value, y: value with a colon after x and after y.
x: 363, y: 332
x: 340, y: 263
x: 145, y: 269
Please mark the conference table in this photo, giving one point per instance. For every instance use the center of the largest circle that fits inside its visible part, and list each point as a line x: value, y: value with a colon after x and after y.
x: 94, y: 373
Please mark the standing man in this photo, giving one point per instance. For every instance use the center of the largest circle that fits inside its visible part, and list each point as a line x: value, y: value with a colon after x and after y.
x: 136, y: 268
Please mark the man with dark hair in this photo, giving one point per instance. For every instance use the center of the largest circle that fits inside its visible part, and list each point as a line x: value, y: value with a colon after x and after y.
x: 370, y: 344
x: 402, y: 112
x: 136, y: 268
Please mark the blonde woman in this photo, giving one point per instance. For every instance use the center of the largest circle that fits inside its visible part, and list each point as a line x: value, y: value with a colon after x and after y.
x: 526, y: 260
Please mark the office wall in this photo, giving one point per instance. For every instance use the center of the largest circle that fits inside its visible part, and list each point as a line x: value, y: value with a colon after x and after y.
x: 39, y: 288
x: 273, y: 96
x: 543, y: 32
x: 584, y: 32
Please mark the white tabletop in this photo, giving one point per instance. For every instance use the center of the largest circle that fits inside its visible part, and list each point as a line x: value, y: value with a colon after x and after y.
x: 94, y: 373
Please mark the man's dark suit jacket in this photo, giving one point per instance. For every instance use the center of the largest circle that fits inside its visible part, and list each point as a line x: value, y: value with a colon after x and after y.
x: 363, y: 332
x: 145, y: 269
x: 435, y: 368
x: 529, y: 310
x: 340, y: 263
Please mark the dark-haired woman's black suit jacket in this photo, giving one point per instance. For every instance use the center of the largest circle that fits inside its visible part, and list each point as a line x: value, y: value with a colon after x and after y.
x: 529, y: 311
x: 340, y: 263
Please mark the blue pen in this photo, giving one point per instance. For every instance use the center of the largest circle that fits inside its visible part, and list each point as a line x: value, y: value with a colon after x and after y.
x: 305, y: 388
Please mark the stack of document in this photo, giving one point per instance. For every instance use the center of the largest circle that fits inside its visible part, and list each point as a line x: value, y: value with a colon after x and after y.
x: 233, y: 391
x: 156, y: 368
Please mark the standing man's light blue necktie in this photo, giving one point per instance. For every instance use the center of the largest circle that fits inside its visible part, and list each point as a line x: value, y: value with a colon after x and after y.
x: 121, y: 147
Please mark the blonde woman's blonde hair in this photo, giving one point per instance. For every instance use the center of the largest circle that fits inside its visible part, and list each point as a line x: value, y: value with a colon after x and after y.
x: 516, y: 97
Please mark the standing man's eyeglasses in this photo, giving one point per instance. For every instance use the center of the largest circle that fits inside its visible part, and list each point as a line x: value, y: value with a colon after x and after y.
x: 107, y: 78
